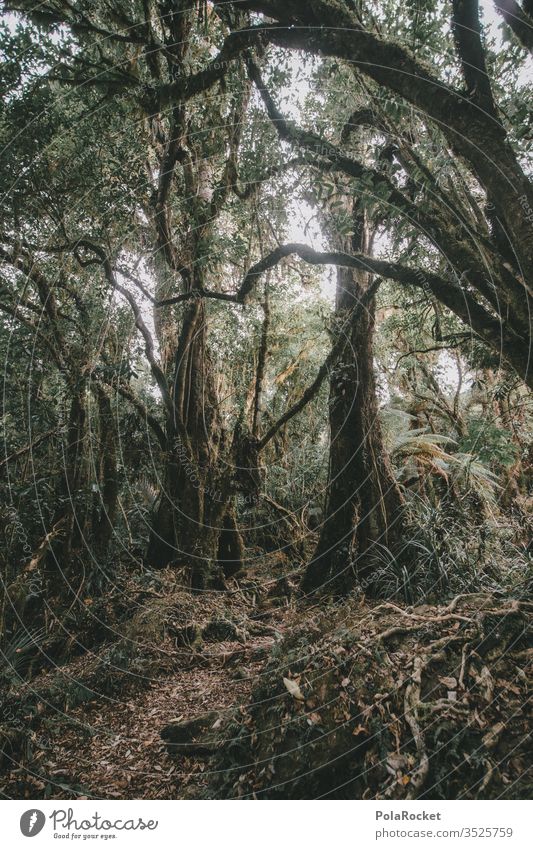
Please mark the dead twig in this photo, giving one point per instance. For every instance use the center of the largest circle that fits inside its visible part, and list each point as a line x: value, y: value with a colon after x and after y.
x: 411, y: 702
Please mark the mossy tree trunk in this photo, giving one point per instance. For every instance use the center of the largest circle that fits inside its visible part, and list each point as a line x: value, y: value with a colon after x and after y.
x: 363, y: 501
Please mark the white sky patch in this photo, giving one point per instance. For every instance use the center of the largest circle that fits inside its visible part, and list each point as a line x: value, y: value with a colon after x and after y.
x: 303, y: 227
x: 140, y: 272
x: 495, y: 26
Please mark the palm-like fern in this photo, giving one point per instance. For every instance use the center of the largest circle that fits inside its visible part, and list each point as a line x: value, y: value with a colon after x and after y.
x: 431, y: 455
x: 471, y: 475
x: 426, y: 449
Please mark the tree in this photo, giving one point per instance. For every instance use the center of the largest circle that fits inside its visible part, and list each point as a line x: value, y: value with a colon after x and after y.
x: 171, y: 227
x: 489, y: 249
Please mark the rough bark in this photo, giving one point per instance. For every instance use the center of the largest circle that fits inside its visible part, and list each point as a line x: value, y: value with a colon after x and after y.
x: 194, y: 504
x: 261, y: 365
x: 71, y: 514
x: 106, y: 513
x: 363, y: 501
x: 230, y: 553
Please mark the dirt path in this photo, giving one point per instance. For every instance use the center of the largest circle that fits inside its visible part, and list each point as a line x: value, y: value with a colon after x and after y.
x: 110, y: 747
x: 461, y: 669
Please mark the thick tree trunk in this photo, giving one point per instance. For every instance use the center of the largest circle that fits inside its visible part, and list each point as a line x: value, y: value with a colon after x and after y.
x: 230, y: 553
x: 195, y: 523
x: 261, y: 365
x: 106, y: 512
x: 363, y: 501
x: 195, y: 505
x: 71, y: 514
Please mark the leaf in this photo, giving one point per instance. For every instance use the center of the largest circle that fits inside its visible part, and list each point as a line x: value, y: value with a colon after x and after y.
x: 293, y: 689
x: 490, y: 739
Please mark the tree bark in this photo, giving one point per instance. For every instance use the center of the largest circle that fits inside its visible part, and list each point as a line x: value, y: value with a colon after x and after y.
x: 71, y: 514
x: 104, y: 521
x: 194, y: 506
x: 363, y: 501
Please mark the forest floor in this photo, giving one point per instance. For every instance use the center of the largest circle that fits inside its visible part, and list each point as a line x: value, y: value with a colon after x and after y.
x: 109, y: 745
x: 358, y: 675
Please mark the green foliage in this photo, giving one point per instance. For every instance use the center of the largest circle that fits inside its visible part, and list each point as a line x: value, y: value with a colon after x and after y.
x: 489, y: 442
x: 90, y: 127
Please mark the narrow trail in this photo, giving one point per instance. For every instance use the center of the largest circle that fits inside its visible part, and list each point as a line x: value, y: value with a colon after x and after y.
x: 125, y: 754
x: 387, y: 683
x: 110, y: 745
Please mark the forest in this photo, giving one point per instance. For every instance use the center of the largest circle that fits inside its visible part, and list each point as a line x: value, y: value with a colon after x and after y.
x: 266, y: 282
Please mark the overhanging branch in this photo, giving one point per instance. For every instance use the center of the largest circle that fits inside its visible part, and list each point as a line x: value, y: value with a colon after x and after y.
x: 493, y: 330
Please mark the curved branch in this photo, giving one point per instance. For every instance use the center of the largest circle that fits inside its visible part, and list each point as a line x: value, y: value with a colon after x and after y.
x: 184, y: 88
x: 149, y: 347
x: 145, y: 333
x: 329, y: 30
x: 197, y: 293
x: 493, y: 330
x: 323, y: 148
x: 28, y: 448
x: 438, y: 226
x: 137, y: 404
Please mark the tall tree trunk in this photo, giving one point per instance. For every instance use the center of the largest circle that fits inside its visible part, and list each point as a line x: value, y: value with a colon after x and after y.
x: 104, y: 520
x: 363, y: 501
x: 261, y: 364
x: 195, y: 505
x: 71, y: 511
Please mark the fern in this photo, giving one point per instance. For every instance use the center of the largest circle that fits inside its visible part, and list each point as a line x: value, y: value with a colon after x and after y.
x: 15, y: 653
x: 426, y: 449
x: 430, y: 452
x: 471, y: 475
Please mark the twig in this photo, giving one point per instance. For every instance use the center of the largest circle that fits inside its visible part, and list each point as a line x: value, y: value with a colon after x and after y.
x: 411, y: 700
x: 463, y: 665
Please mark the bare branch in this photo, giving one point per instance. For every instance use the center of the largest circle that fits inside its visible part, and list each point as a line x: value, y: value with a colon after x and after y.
x: 197, y: 293
x: 467, y: 36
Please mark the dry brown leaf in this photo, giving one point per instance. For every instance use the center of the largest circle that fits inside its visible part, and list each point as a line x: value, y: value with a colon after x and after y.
x: 294, y: 689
